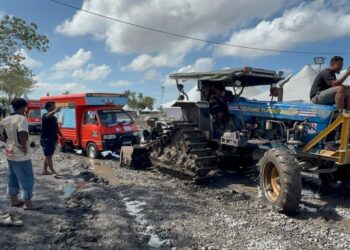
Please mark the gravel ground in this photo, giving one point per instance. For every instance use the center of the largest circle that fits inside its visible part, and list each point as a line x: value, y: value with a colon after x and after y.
x: 117, y: 208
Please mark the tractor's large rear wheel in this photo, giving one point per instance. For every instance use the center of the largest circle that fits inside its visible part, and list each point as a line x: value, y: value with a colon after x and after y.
x: 280, y: 180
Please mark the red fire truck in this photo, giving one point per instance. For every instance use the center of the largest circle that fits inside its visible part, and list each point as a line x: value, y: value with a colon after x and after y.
x: 34, y: 115
x: 94, y: 122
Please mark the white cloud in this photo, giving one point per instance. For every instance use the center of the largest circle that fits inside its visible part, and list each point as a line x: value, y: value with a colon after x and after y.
x: 79, y: 59
x: 309, y: 22
x: 152, y: 74
x: 145, y: 61
x: 56, y: 89
x: 51, y: 75
x: 200, y: 65
x: 29, y: 61
x: 119, y: 83
x: 92, y: 72
x: 198, y: 18
x: 75, y: 67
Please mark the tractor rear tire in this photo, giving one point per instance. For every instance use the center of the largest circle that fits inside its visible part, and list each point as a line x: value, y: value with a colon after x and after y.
x: 280, y: 180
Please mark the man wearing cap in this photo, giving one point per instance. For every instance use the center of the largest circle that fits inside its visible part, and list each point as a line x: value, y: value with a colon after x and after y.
x: 154, y: 130
x: 20, y: 178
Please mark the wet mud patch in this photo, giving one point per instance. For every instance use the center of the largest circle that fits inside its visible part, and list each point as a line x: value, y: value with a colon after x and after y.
x: 76, y: 231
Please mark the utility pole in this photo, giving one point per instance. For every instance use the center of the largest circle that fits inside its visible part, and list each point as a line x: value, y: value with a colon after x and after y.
x: 161, y: 97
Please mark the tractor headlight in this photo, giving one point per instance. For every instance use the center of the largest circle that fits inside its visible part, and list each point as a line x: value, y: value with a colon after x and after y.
x: 136, y: 134
x: 109, y: 137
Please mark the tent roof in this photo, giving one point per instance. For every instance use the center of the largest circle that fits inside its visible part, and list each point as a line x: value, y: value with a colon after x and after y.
x: 193, y: 95
x: 249, y: 92
x: 347, y: 81
x: 128, y: 108
x: 297, y: 88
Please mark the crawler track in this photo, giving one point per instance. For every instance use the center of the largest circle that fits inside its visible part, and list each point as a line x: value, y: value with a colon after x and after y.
x: 185, y: 150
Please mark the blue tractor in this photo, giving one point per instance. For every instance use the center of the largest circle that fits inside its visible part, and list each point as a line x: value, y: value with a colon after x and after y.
x: 227, y: 130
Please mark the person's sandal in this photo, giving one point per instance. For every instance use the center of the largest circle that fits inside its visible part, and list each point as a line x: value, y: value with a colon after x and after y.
x: 18, y: 204
x: 9, y: 220
x: 32, y: 207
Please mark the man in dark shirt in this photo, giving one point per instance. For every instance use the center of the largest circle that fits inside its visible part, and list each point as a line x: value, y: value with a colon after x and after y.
x: 329, y: 90
x: 49, y: 132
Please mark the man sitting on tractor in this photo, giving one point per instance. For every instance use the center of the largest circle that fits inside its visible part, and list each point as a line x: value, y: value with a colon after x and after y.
x: 154, y: 129
x: 219, y: 109
x: 329, y: 90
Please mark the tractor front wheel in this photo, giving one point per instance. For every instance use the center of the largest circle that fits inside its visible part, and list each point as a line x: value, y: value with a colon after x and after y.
x: 280, y: 180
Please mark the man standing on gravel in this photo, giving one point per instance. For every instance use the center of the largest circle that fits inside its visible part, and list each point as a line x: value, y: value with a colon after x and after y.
x: 20, y: 177
x: 49, y: 132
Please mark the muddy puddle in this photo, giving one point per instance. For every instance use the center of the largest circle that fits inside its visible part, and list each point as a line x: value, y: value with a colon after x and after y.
x: 135, y: 209
x: 109, y: 174
x: 71, y: 186
x: 106, y: 173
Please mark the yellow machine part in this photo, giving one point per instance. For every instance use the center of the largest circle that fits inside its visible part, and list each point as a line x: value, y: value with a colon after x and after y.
x: 341, y: 155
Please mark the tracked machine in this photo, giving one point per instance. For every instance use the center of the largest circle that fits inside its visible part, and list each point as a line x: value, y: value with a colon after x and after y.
x: 283, y: 138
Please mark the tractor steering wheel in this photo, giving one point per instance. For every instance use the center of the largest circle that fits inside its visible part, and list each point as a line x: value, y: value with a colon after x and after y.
x: 238, y: 90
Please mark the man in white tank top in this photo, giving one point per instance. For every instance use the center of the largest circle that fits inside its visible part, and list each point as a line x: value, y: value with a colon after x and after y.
x: 20, y: 177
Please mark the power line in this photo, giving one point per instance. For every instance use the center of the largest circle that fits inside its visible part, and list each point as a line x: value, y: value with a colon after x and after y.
x: 198, y: 39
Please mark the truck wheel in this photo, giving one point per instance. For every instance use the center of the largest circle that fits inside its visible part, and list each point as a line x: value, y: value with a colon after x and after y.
x: 61, y: 148
x: 280, y: 180
x: 92, y: 151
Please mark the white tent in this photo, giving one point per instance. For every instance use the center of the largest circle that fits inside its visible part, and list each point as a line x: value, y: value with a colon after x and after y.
x: 193, y: 95
x: 248, y: 92
x: 297, y: 88
x: 347, y: 81
x: 128, y: 108
x: 146, y: 110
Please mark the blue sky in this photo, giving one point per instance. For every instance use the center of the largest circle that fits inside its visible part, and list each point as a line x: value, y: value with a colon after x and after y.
x: 88, y: 53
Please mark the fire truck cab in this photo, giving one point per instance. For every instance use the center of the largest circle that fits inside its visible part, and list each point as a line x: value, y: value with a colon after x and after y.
x: 34, y: 115
x: 94, y: 122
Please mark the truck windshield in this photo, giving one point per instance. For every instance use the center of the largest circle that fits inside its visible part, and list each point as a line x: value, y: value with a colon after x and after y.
x: 114, y: 117
x: 35, y: 113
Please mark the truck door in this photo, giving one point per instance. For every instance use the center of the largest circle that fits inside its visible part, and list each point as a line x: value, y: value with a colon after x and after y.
x: 90, y: 131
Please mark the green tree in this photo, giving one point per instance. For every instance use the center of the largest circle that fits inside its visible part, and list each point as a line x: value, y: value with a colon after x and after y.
x: 148, y: 102
x: 132, y: 100
x: 16, y: 35
x: 15, y: 83
x: 139, y: 101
